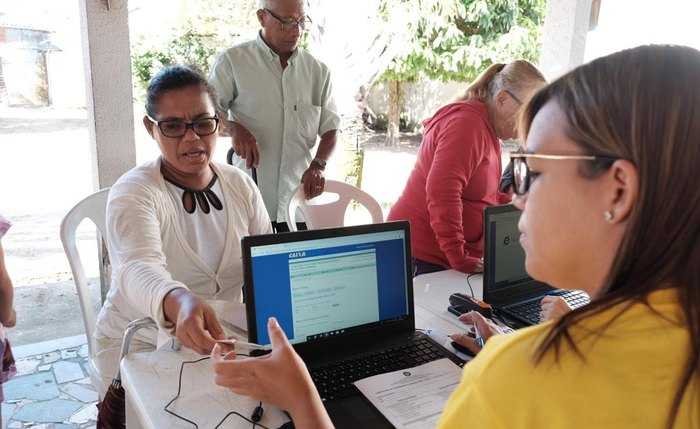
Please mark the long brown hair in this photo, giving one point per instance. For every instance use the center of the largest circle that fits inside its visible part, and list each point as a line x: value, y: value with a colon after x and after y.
x: 643, y: 105
x: 518, y: 76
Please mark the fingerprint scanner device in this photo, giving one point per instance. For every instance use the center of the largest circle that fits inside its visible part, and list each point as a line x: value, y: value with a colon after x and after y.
x: 244, y: 347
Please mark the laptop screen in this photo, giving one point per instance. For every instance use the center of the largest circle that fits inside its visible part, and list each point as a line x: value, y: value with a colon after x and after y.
x: 507, y: 257
x: 327, y: 283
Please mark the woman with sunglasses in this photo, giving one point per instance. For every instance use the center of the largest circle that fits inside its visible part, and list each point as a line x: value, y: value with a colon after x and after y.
x: 606, y: 146
x: 174, y: 225
x: 458, y: 169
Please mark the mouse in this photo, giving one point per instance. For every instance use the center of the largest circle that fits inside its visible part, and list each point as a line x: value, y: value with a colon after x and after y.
x: 463, y: 349
x: 463, y: 303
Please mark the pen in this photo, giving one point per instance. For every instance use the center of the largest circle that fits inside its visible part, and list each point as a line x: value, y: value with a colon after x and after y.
x: 479, y: 338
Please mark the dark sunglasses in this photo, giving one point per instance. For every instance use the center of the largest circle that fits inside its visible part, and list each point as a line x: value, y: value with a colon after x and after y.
x: 523, y: 176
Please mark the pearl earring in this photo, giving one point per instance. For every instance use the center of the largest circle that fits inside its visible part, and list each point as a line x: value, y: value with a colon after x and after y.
x: 609, y: 215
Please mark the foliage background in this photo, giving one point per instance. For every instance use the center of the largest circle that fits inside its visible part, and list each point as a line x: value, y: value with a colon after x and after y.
x: 197, y: 31
x: 453, y: 40
x: 448, y: 40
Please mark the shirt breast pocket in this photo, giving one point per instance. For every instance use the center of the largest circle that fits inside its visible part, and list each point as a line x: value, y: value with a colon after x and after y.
x: 308, y: 118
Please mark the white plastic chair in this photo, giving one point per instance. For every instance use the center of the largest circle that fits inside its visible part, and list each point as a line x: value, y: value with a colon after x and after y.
x: 92, y: 207
x: 330, y: 214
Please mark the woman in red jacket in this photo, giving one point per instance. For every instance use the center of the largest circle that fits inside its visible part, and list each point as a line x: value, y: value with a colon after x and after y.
x: 458, y: 169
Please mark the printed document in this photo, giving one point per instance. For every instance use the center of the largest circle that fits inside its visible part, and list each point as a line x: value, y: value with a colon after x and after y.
x: 413, y: 398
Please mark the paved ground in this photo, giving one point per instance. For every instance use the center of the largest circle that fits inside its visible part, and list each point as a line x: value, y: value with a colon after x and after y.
x: 52, y: 387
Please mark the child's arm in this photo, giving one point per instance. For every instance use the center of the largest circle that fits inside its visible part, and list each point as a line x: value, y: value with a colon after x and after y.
x: 7, y: 312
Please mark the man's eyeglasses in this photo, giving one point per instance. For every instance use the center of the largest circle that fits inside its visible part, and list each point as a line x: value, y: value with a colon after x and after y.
x: 304, y: 24
x: 201, y: 127
x: 513, y: 96
x: 523, y: 176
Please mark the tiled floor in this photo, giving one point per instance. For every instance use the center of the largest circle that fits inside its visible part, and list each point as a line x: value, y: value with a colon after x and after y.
x: 52, y: 387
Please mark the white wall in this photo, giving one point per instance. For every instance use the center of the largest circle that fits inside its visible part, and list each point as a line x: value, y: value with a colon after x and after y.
x: 627, y: 23
x: 65, y: 67
x: 421, y: 99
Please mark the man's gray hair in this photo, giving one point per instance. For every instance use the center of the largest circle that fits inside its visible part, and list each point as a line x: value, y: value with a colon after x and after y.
x: 267, y: 4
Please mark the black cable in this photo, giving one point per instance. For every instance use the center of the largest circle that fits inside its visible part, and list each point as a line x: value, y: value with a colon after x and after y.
x: 179, y: 388
x: 469, y: 284
x: 241, y: 416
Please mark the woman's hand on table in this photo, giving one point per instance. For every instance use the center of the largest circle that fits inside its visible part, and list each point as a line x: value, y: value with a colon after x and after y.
x: 486, y: 328
x: 196, y: 324
x: 279, y: 378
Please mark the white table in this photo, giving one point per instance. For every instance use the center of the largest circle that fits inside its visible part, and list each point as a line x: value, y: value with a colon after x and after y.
x: 432, y: 292
x: 151, y: 379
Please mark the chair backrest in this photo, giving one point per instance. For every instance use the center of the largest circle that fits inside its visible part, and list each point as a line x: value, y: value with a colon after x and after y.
x: 331, y: 214
x: 92, y: 207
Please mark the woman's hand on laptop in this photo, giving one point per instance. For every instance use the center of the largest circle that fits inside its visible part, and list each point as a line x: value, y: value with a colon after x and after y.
x: 483, y: 326
x: 553, y: 307
x: 279, y: 378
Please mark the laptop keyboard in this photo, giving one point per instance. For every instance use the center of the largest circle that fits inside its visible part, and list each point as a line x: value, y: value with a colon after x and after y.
x: 530, y: 310
x: 334, y: 380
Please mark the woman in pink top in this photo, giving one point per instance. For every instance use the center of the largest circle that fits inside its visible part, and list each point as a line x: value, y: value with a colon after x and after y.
x: 458, y: 168
x: 8, y: 317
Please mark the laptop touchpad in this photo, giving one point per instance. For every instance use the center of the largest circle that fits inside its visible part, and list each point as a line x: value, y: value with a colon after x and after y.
x: 355, y: 412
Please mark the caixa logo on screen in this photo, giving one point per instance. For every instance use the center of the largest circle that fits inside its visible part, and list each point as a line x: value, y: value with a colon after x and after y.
x: 297, y: 255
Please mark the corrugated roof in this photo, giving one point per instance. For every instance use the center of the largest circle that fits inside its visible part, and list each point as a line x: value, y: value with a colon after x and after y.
x: 18, y: 26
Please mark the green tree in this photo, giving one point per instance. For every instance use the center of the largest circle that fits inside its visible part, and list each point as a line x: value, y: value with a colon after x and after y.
x: 453, y: 40
x: 197, y: 34
x: 190, y: 48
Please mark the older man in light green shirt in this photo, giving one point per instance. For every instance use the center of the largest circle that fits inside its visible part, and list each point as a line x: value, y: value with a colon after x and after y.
x: 279, y: 101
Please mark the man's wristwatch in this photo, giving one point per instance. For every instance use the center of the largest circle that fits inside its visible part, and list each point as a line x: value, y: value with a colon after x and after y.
x: 320, y: 162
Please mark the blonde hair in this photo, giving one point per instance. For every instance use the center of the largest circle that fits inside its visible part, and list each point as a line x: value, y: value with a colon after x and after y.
x: 519, y: 76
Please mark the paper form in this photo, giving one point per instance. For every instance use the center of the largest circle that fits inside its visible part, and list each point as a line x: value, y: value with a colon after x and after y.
x: 413, y: 398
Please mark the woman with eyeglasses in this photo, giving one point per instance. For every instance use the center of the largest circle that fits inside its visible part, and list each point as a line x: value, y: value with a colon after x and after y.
x: 608, y: 146
x: 458, y: 169
x: 174, y: 225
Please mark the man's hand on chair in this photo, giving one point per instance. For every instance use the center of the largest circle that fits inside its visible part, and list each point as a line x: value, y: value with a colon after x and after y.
x: 196, y: 324
x: 244, y: 144
x: 313, y: 180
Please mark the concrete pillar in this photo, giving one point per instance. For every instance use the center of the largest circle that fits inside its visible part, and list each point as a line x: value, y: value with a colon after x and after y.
x: 566, y: 25
x: 106, y: 52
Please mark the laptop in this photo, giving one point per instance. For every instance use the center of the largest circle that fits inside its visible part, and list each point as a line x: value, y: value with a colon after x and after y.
x: 511, y: 292
x: 341, y: 295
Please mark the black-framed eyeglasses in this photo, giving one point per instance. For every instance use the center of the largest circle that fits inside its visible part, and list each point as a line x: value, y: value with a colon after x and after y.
x: 303, y: 24
x: 523, y: 176
x: 201, y: 127
x: 513, y: 96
